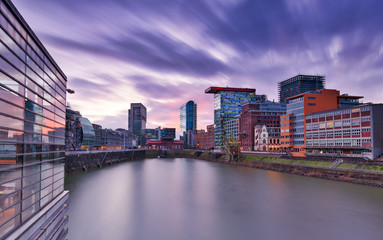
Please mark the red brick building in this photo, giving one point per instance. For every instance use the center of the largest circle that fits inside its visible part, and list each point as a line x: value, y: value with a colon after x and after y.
x: 165, y: 144
x: 262, y: 113
x: 205, y: 140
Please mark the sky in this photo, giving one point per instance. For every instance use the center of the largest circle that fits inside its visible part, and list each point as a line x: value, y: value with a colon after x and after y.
x: 165, y: 53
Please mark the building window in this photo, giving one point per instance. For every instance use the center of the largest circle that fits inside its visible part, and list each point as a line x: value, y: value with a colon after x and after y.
x: 312, y: 104
x: 338, y: 133
x: 338, y: 124
x: 355, y: 132
x: 347, y: 132
x: 312, y: 98
x: 355, y: 122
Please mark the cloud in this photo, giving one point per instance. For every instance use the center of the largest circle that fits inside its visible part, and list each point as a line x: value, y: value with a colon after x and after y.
x: 164, y: 53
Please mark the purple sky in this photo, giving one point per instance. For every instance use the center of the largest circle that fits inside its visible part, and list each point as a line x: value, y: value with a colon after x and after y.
x: 164, y: 53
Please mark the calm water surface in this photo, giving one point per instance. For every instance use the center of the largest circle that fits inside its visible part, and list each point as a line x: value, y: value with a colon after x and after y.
x: 193, y: 199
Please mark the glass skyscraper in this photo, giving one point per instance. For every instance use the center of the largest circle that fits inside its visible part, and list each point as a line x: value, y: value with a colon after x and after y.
x: 188, y: 119
x: 137, y: 121
x: 299, y: 84
x: 228, y: 105
x: 32, y: 134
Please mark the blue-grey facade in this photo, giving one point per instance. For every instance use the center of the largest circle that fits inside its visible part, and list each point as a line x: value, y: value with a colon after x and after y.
x: 300, y: 84
x: 188, y: 119
x: 32, y: 134
x: 137, y: 121
x: 228, y: 105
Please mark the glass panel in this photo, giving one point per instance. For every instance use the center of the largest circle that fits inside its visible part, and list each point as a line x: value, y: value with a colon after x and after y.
x: 12, y: 109
x: 10, y: 135
x: 9, y: 226
x: 28, y: 191
x: 29, y: 211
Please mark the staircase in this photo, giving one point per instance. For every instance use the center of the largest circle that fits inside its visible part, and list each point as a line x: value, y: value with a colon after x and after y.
x: 337, y: 162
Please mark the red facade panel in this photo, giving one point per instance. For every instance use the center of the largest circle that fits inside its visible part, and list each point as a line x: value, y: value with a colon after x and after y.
x: 355, y: 114
x: 366, y: 134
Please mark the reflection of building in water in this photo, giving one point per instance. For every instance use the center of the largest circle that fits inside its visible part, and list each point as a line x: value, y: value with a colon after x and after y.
x: 32, y: 136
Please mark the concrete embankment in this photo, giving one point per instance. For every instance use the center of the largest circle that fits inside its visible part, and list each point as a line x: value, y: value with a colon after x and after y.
x: 361, y: 172
x: 82, y: 161
x: 351, y: 170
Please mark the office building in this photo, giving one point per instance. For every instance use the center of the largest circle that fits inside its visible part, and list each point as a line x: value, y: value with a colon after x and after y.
x: 112, y: 140
x: 153, y: 133
x: 293, y: 124
x: 227, y: 105
x: 258, y: 114
x: 128, y: 138
x: 72, y: 141
x: 188, y: 120
x: 231, y: 126
x: 79, y: 134
x: 299, y: 84
x: 32, y: 134
x: 137, y: 121
x: 205, y: 139
x: 346, y: 132
x: 168, y: 134
x: 165, y: 144
x: 97, y: 136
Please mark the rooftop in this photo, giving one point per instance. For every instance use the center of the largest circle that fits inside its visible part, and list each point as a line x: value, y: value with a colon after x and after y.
x: 229, y: 89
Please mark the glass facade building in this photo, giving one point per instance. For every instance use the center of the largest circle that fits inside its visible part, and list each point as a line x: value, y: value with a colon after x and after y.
x: 137, y: 121
x: 188, y: 119
x: 32, y: 133
x: 299, y: 84
x: 227, y: 105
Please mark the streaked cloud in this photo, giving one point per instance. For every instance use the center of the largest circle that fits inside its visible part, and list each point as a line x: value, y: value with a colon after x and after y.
x: 164, y: 53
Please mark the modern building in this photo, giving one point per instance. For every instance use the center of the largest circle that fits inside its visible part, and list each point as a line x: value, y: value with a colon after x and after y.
x: 165, y: 144
x: 86, y: 133
x: 227, y: 105
x: 32, y: 134
x: 266, y: 139
x: 300, y: 84
x: 293, y: 123
x: 97, y: 136
x: 205, y: 139
x: 72, y: 141
x: 231, y: 126
x: 112, y: 140
x: 188, y: 120
x: 137, y: 121
x: 128, y: 138
x: 348, y: 132
x: 192, y: 138
x: 168, y: 134
x: 79, y: 132
x: 153, y: 134
x: 258, y: 114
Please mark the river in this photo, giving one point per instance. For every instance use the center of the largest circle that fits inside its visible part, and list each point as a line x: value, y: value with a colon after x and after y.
x: 187, y: 199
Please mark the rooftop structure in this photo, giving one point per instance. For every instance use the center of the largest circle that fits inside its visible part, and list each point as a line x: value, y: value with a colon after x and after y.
x: 299, y: 84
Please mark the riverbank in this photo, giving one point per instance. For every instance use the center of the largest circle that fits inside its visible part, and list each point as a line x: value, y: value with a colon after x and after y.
x: 360, y: 172
x: 352, y: 170
x: 82, y: 161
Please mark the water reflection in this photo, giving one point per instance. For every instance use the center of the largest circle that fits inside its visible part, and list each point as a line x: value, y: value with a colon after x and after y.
x: 191, y: 199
